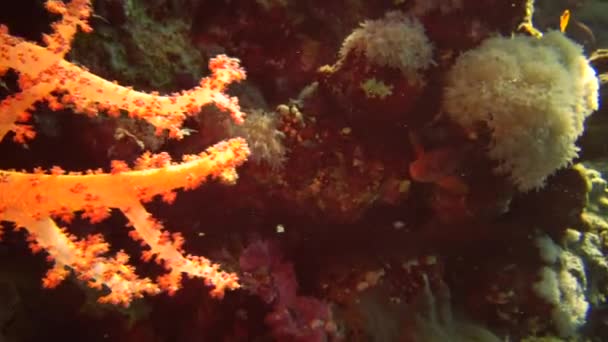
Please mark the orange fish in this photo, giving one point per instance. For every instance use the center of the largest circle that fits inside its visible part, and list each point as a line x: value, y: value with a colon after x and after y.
x: 563, y: 20
x: 438, y: 166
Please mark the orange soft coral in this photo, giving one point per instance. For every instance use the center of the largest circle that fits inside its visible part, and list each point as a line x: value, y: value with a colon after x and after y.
x: 44, y: 196
x: 43, y: 73
x: 33, y: 201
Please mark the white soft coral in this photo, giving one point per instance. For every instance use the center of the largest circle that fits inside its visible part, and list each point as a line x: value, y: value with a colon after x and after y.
x: 533, y: 94
x: 396, y: 41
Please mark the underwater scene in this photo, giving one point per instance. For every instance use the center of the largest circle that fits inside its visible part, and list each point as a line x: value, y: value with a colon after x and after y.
x: 304, y: 170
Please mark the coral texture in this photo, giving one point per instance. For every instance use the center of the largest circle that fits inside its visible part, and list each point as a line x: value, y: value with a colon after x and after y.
x: 47, y: 196
x: 396, y: 41
x: 533, y: 94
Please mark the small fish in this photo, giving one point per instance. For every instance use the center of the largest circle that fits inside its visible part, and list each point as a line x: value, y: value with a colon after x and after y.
x: 438, y: 166
x: 563, y: 20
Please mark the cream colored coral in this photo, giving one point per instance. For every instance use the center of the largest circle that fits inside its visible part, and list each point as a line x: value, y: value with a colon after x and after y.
x: 533, y: 94
x: 564, y: 283
x: 396, y: 41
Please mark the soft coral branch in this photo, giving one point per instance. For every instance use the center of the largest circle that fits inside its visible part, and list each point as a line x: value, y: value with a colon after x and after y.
x: 43, y: 73
x: 33, y: 200
x: 44, y: 196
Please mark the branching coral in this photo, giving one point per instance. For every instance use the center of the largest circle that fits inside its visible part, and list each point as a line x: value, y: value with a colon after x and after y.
x: 34, y: 200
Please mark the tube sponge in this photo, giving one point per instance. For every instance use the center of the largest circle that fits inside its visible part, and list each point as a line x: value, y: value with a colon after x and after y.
x: 533, y: 95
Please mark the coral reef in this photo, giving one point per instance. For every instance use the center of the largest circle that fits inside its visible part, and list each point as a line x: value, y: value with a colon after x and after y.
x: 407, y: 170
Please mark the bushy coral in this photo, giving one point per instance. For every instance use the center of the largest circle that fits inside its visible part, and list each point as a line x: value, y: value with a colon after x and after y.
x: 396, y: 41
x: 533, y: 94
